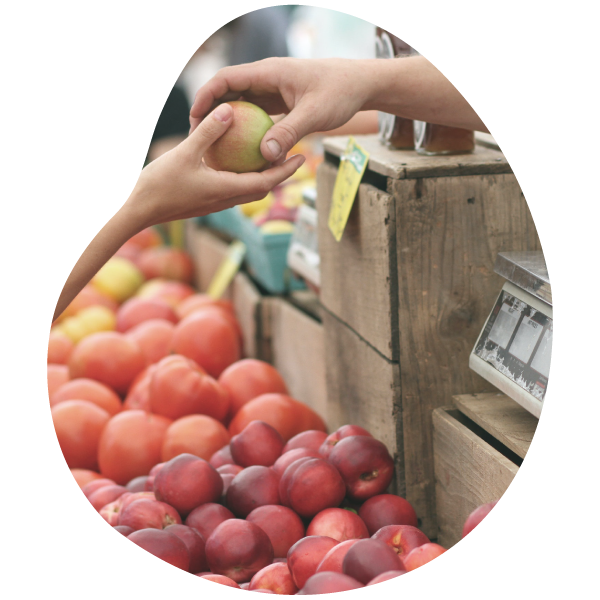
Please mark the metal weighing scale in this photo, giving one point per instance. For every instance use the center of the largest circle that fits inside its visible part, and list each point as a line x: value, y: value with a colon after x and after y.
x: 514, y: 347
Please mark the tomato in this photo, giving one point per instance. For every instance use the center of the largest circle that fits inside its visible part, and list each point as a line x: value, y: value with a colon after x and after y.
x: 137, y: 310
x: 179, y: 387
x: 57, y: 375
x: 191, y: 303
x: 209, y: 339
x: 84, y: 476
x: 87, y: 389
x: 108, y: 357
x: 289, y: 416
x: 60, y: 347
x: 199, y: 435
x: 138, y: 396
x: 166, y: 262
x: 78, y: 425
x: 153, y: 338
x: 249, y: 378
x: 88, y: 296
x: 130, y: 445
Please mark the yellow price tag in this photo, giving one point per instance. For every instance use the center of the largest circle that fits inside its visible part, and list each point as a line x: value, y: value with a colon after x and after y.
x: 352, y: 167
x: 227, y: 269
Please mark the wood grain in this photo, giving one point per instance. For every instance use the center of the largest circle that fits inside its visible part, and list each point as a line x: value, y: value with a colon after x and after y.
x: 469, y: 473
x: 246, y: 303
x: 408, y: 164
x: 501, y: 417
x: 363, y: 388
x: 358, y: 273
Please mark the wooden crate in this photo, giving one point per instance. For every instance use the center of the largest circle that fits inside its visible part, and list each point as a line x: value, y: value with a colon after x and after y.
x: 413, y: 277
x: 479, y: 445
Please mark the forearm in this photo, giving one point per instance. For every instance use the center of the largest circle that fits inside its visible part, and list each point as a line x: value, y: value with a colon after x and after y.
x: 123, y: 225
x: 413, y: 88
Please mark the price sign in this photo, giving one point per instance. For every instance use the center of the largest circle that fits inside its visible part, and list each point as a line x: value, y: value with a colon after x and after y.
x: 352, y: 167
x: 227, y: 269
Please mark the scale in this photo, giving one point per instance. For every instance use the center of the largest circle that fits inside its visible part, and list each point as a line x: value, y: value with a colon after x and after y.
x: 515, y: 345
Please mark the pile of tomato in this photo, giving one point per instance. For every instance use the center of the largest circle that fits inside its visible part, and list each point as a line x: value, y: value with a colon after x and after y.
x: 142, y: 367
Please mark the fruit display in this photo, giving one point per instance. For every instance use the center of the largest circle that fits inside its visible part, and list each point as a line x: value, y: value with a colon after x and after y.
x: 202, y: 458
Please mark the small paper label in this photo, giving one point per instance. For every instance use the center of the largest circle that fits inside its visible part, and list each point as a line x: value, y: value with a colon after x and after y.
x: 352, y: 167
x: 227, y: 269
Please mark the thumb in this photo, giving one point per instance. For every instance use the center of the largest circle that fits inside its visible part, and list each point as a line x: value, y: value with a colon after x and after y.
x: 285, y: 134
x: 211, y: 128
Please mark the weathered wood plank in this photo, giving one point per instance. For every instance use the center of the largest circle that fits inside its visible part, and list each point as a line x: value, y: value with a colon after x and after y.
x: 363, y: 388
x: 408, y: 164
x: 358, y: 273
x: 246, y: 302
x: 450, y: 230
x: 501, y: 417
x: 469, y: 472
x: 297, y: 351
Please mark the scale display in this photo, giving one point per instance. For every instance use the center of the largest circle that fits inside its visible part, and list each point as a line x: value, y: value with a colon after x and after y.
x: 517, y: 342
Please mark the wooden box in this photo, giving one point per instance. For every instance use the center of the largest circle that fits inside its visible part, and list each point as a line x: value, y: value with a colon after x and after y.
x: 413, y: 279
x: 479, y: 445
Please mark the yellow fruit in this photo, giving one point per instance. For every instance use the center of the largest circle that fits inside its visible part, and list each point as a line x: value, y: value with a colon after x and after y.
x: 89, y: 320
x: 119, y: 279
x: 277, y: 226
x: 259, y: 216
x: 252, y: 208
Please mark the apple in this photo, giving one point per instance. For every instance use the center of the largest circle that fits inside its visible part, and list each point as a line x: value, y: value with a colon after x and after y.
x: 227, y: 479
x: 305, y: 555
x: 368, y: 558
x: 146, y: 514
x: 238, y: 549
x: 477, y: 516
x: 163, y: 545
x: 328, y: 583
x: 89, y: 488
x: 314, y: 486
x: 343, y: 432
x: 386, y: 576
x: 220, y: 579
x: 257, y: 444
x: 108, y: 493
x: 137, y: 484
x: 401, y: 538
x: 186, y: 482
x: 253, y: 487
x: 387, y: 509
x: 276, y: 578
x: 194, y: 543
x: 285, y: 460
x: 286, y: 477
x: 229, y: 469
x: 311, y: 439
x: 207, y: 517
x: 422, y: 555
x: 338, y: 523
x: 238, y: 149
x: 123, y: 529
x: 364, y: 464
x: 222, y: 457
x: 283, y: 526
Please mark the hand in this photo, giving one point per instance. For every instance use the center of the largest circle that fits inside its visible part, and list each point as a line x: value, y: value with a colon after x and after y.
x: 179, y: 185
x: 315, y: 95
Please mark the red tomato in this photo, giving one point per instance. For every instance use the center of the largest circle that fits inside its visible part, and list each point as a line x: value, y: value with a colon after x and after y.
x: 209, y: 339
x: 130, y: 445
x: 138, y: 397
x: 137, y: 310
x: 154, y: 338
x: 249, y: 378
x: 78, y: 425
x: 290, y: 417
x: 57, y: 375
x: 108, y: 357
x: 179, y: 387
x: 87, y: 389
x: 60, y: 347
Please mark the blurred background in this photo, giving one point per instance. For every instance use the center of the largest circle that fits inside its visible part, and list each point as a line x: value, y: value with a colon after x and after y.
x: 291, y: 30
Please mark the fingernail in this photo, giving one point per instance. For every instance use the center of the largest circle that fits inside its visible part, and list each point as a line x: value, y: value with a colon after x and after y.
x: 223, y: 113
x: 275, y: 148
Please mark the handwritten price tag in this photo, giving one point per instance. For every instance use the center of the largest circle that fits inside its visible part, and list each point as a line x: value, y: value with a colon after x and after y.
x: 227, y: 269
x: 352, y: 167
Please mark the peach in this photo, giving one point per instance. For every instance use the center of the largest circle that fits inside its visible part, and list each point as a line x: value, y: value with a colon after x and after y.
x: 311, y: 440
x: 229, y: 469
x: 477, y: 516
x: 112, y: 511
x: 238, y: 549
x: 227, y: 479
x: 106, y: 494
x: 338, y: 523
x: 343, y: 432
x: 386, y: 576
x: 421, y: 555
x: 137, y: 484
x: 387, y: 509
x: 286, y: 477
x: 368, y: 558
x: 222, y: 457
x: 327, y: 583
x: 286, y: 459
x: 123, y: 529
x: 195, y: 544
x: 207, y: 517
x: 401, y: 538
x: 305, y: 555
x: 257, y: 444
x: 163, y: 545
x: 89, y: 488
x: 283, y: 526
x: 186, y: 481
x: 334, y: 559
x: 138, y: 310
x: 220, y: 579
x: 276, y: 578
x: 253, y: 487
x: 146, y: 513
